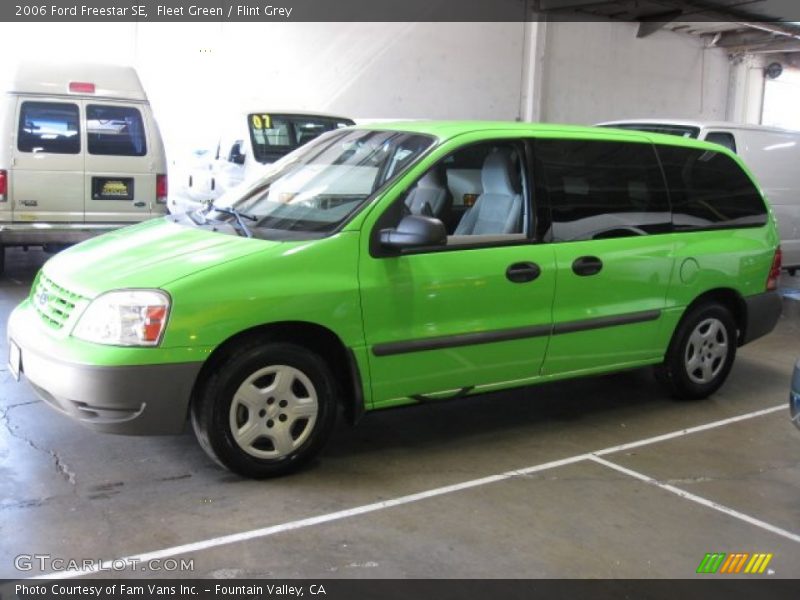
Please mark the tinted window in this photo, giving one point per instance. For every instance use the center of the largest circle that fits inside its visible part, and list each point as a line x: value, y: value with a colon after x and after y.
x: 723, y: 138
x: 115, y: 131
x: 601, y: 190
x: 49, y: 127
x: 708, y: 189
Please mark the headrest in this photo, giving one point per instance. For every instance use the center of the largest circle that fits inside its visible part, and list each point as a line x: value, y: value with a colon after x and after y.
x: 434, y: 178
x: 497, y: 175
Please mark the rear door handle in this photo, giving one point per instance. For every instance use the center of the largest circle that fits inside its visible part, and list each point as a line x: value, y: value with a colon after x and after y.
x: 523, y: 272
x: 587, y: 265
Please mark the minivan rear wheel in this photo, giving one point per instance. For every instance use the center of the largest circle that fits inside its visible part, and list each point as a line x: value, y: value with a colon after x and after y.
x: 266, y: 410
x: 701, y: 353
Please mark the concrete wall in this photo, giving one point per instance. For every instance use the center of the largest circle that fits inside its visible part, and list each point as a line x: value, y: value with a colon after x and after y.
x: 601, y: 71
x: 361, y: 70
x: 558, y: 72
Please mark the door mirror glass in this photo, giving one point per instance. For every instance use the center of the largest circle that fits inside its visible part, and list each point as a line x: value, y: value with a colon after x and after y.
x: 415, y: 231
x: 236, y: 156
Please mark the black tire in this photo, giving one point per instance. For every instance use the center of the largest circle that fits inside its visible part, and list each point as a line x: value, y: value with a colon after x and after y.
x: 220, y: 404
x: 2, y: 259
x: 712, y: 324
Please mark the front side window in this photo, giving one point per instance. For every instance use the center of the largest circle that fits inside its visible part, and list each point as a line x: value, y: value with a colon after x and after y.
x: 316, y: 188
x: 477, y: 191
x: 115, y: 131
x: 600, y: 190
x: 274, y: 136
x: 709, y: 190
x: 51, y: 127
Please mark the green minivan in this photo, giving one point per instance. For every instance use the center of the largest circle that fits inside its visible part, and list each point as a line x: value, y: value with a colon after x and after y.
x: 402, y: 264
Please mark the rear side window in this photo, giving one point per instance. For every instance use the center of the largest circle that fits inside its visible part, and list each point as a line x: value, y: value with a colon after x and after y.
x: 115, y: 131
x: 51, y: 127
x: 600, y: 190
x: 709, y: 190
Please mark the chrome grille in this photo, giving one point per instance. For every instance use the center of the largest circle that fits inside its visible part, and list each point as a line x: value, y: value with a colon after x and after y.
x: 53, y: 302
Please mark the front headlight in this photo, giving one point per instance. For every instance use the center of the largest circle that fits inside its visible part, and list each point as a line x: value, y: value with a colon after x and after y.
x: 125, y: 318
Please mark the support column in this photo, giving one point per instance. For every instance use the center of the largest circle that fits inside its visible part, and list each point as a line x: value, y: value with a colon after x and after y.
x: 534, y: 41
x: 746, y: 89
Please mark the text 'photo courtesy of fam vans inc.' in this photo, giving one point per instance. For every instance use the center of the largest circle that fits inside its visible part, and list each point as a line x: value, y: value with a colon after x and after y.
x: 398, y: 264
x: 773, y: 154
x: 80, y: 154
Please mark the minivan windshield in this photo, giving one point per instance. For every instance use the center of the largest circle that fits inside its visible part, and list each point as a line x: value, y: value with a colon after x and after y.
x: 317, y: 187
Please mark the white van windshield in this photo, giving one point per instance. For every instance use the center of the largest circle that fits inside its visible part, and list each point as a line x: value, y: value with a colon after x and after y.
x: 684, y: 131
x: 274, y: 136
x: 317, y: 187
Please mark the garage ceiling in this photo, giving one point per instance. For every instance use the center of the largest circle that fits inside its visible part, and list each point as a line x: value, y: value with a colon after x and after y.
x: 739, y: 26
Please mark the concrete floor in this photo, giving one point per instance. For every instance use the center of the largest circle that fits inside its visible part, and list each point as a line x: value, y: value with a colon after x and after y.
x: 381, y: 491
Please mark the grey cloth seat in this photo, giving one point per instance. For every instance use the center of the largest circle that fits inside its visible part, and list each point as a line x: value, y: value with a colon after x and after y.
x: 499, y: 208
x: 431, y: 196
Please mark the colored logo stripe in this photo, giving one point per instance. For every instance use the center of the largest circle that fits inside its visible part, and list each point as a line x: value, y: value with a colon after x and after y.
x: 735, y: 562
x: 720, y: 562
x: 711, y: 562
x: 758, y: 564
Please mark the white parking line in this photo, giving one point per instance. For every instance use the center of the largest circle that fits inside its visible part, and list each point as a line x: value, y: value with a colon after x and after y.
x: 697, y: 429
x: 416, y: 497
x: 698, y: 499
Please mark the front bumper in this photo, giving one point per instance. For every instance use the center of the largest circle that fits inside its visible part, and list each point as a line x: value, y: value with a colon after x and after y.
x: 126, y: 399
x: 794, y: 396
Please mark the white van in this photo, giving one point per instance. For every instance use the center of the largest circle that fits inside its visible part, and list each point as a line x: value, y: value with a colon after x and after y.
x: 251, y: 139
x: 772, y: 154
x: 80, y: 154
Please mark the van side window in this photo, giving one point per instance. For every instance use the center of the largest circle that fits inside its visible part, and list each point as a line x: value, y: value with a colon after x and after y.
x: 479, y: 193
x: 115, y: 131
x: 51, y: 127
x: 723, y: 138
x: 709, y: 190
x: 600, y: 190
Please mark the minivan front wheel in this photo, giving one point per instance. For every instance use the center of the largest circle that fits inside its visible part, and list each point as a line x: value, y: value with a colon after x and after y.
x: 701, y: 353
x: 266, y: 410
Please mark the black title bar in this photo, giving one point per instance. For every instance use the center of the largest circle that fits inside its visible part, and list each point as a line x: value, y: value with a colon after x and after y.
x: 709, y: 588
x: 370, y: 10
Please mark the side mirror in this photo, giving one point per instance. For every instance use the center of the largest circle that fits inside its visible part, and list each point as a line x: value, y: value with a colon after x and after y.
x: 415, y: 231
x: 235, y: 156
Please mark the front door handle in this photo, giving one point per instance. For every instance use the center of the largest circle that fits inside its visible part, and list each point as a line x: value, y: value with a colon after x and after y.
x: 523, y: 272
x: 587, y: 265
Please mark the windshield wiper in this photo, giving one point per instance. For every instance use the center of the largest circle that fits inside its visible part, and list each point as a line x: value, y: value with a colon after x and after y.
x: 239, y: 216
